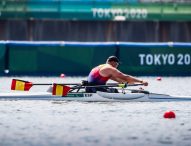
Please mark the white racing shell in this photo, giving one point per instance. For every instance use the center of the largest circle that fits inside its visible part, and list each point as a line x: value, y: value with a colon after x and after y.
x: 99, y: 96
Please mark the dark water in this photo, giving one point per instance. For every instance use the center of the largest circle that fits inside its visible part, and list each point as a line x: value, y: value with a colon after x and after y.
x: 59, y: 123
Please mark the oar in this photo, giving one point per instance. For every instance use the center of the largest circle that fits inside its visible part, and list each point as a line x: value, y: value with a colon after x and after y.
x: 114, y: 85
x: 26, y: 85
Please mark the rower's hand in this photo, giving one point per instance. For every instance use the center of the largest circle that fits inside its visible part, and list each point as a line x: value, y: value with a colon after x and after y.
x: 145, y: 83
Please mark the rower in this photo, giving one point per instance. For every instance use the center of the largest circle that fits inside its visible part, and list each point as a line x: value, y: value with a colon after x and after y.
x: 100, y: 74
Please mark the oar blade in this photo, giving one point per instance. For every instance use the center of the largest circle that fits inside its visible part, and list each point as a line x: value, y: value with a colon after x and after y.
x: 60, y: 90
x: 20, y: 85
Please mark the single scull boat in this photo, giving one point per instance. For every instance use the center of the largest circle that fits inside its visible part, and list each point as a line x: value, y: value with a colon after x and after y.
x: 99, y: 96
x: 76, y: 92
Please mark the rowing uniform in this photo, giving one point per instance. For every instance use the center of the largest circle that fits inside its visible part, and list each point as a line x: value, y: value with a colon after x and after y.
x: 94, y: 78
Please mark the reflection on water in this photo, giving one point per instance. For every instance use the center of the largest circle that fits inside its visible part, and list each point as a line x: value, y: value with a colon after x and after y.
x: 58, y: 123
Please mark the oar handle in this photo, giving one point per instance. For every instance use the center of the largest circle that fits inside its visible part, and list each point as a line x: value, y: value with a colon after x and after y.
x: 134, y: 85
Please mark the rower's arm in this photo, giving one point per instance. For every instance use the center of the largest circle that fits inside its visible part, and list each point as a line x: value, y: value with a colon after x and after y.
x: 117, y: 80
x: 116, y: 74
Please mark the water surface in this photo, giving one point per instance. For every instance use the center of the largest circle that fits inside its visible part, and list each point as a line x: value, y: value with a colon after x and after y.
x: 59, y: 123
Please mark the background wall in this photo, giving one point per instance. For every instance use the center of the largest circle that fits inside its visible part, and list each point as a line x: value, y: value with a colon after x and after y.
x: 59, y: 30
x: 53, y: 58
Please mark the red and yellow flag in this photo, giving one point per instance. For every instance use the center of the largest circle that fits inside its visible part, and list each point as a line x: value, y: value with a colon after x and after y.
x: 20, y: 85
x: 60, y: 90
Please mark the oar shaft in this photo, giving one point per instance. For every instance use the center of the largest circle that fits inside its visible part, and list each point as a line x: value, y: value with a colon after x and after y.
x: 56, y: 83
x: 113, y: 85
x: 98, y: 86
x: 134, y: 85
x: 43, y: 84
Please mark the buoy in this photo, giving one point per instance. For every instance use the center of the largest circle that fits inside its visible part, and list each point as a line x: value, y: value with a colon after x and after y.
x: 159, y: 78
x: 6, y: 71
x: 62, y: 75
x: 169, y: 114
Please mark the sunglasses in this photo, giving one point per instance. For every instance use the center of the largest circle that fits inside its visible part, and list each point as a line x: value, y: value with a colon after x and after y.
x: 117, y: 64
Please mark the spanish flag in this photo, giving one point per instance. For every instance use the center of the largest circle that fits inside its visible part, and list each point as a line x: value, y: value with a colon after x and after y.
x: 20, y: 85
x: 60, y: 90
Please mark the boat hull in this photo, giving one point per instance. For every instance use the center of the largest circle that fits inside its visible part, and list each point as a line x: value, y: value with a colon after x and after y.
x: 99, y: 96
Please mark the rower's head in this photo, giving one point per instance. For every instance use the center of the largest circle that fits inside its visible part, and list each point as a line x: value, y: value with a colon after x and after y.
x: 113, y: 61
